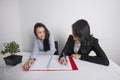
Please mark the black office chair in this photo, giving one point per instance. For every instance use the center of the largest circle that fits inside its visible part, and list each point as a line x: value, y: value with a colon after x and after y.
x: 56, y: 46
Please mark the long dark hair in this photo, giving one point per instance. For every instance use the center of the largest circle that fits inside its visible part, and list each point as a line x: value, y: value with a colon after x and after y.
x: 47, y: 35
x: 81, y: 29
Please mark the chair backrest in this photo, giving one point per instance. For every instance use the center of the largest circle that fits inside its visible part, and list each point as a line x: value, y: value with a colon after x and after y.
x: 56, y: 46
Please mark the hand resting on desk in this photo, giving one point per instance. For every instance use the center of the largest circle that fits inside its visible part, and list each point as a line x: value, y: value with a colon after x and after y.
x: 77, y: 56
x: 27, y: 65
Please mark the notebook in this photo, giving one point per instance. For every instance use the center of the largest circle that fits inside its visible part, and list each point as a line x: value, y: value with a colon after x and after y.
x: 50, y: 63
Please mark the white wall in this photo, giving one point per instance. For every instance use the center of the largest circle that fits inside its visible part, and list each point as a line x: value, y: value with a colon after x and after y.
x: 9, y: 22
x: 58, y: 15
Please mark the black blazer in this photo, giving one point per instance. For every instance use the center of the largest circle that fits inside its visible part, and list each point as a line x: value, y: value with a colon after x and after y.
x: 84, y: 51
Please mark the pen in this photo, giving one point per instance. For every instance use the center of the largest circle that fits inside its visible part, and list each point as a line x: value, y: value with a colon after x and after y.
x: 64, y: 56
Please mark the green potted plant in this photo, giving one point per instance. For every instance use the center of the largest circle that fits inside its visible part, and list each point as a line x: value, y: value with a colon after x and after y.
x: 12, y: 48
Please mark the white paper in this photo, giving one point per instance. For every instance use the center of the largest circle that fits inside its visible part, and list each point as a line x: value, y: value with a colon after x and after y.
x: 41, y: 63
x: 55, y: 65
x: 49, y: 62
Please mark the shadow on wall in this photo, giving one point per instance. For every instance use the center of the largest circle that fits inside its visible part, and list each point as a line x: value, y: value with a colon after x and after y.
x: 28, y: 43
x: 1, y: 46
x: 61, y: 43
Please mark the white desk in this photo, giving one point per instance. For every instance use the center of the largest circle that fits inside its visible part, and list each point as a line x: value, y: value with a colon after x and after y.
x: 87, y: 71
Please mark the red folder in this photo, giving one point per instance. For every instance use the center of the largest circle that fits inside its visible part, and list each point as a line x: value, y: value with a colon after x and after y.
x: 73, y: 66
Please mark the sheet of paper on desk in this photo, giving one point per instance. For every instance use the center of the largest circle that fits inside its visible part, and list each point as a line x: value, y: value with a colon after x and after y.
x: 48, y: 62
x: 55, y: 65
x: 40, y: 63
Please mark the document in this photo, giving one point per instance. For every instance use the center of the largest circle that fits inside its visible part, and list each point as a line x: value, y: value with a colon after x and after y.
x: 55, y: 65
x: 50, y: 63
x: 40, y: 63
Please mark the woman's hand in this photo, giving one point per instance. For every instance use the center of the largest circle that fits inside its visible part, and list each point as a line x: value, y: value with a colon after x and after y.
x: 63, y: 61
x: 77, y: 56
x: 28, y: 64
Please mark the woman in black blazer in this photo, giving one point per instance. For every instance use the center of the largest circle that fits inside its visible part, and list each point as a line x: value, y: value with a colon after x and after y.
x: 81, y: 43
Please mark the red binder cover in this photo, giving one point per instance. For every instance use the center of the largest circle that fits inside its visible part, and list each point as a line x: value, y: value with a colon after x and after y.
x: 73, y: 65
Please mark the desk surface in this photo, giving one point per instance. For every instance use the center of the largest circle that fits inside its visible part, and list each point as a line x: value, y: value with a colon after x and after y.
x: 87, y: 71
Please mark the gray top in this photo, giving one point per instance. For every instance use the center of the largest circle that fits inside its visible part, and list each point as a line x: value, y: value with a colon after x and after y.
x: 39, y: 49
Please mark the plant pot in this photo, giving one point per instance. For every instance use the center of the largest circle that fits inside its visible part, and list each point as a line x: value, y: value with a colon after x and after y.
x: 13, y: 59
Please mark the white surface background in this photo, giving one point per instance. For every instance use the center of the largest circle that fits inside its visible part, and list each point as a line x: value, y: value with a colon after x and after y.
x: 17, y: 18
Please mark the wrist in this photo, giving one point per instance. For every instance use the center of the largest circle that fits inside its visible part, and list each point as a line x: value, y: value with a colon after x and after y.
x: 33, y: 59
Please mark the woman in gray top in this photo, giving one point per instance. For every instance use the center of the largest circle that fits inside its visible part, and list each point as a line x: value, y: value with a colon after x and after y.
x: 43, y: 44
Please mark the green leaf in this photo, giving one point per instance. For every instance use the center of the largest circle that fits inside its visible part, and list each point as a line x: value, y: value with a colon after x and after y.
x: 11, y: 47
